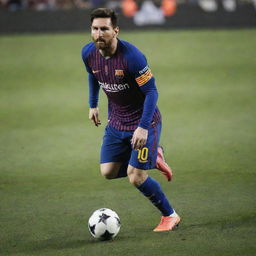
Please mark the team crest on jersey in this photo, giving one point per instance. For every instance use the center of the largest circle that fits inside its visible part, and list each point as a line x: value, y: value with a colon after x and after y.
x: 119, y: 72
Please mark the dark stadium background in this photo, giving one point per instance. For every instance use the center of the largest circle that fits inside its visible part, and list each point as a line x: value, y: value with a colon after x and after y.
x: 72, y: 15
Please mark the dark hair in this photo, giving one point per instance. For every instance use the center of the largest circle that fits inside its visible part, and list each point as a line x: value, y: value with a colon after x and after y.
x: 104, y: 13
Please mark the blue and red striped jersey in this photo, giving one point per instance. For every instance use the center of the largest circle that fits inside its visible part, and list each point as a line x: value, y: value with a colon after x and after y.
x: 128, y: 83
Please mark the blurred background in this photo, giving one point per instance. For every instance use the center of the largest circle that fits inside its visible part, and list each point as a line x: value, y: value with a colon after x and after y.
x: 71, y: 15
x: 127, y: 6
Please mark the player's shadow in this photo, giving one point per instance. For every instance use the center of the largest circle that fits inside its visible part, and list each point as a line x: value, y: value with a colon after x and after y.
x: 57, y: 243
x: 44, y: 245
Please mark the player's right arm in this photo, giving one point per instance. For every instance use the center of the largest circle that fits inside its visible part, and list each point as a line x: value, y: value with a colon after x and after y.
x: 93, y: 88
x: 93, y: 99
x: 94, y: 116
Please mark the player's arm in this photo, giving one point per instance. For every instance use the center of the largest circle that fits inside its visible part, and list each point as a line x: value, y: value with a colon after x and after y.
x: 145, y: 80
x: 141, y: 133
x: 94, y: 116
x: 151, y: 96
x: 93, y: 89
x: 93, y: 100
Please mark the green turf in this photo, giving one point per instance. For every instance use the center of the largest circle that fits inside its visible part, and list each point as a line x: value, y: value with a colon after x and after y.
x: 49, y: 177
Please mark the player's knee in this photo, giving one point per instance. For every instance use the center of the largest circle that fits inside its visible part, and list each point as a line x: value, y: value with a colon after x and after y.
x: 107, y: 174
x: 136, y: 176
x: 108, y: 171
x: 133, y: 180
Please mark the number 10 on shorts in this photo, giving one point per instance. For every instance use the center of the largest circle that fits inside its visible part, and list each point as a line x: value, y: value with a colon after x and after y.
x: 143, y: 155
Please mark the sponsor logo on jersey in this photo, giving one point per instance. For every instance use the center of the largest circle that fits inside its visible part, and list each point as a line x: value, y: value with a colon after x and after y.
x: 114, y: 87
x: 145, y: 76
x: 119, y: 72
x: 95, y: 71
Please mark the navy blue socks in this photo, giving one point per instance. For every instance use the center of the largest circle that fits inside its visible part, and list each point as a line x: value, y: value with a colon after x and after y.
x: 152, y: 190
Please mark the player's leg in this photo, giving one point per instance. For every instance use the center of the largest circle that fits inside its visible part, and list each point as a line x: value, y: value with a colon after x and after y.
x: 162, y: 165
x: 115, y: 154
x: 150, y: 188
x: 142, y: 160
x: 113, y: 170
x: 136, y: 176
x: 110, y: 170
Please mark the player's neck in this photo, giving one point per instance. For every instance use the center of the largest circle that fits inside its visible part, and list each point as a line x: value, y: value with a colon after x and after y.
x: 110, y: 51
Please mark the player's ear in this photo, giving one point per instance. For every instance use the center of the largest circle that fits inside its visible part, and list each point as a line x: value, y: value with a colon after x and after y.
x: 116, y: 29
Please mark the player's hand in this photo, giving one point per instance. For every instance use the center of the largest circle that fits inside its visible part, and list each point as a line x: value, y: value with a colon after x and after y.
x: 139, y: 138
x: 94, y: 116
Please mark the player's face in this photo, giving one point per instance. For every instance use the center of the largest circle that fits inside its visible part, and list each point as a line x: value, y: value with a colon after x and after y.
x: 103, y: 33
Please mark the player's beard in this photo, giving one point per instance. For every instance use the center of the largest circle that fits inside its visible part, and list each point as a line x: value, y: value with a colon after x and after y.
x: 102, y: 44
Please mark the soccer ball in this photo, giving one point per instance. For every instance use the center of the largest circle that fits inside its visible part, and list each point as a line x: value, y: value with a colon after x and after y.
x: 104, y: 224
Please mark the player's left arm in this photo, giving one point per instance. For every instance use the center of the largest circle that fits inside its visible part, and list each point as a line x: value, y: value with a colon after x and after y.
x: 151, y: 95
x: 146, y: 83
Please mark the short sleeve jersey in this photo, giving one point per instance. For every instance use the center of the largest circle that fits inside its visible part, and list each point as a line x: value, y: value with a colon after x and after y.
x: 121, y: 78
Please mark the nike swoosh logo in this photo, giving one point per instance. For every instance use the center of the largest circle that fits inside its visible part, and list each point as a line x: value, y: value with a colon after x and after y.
x: 95, y: 71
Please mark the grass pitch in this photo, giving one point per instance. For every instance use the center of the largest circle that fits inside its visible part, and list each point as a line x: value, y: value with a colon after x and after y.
x: 49, y: 177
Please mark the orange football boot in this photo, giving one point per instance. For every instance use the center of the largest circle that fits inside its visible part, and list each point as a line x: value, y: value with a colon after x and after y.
x: 167, y: 223
x: 162, y: 165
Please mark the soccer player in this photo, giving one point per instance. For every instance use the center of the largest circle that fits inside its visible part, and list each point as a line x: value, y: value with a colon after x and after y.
x: 131, y: 142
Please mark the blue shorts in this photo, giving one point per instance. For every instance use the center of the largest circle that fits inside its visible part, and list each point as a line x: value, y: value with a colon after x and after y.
x: 116, y: 147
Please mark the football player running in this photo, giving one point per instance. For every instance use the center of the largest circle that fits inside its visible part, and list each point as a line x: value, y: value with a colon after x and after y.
x: 131, y: 142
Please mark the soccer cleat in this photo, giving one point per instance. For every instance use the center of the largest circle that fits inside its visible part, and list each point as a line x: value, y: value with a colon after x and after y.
x: 162, y: 165
x: 167, y: 223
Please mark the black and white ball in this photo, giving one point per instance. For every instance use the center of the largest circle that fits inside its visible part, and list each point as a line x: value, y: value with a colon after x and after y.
x: 104, y: 224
